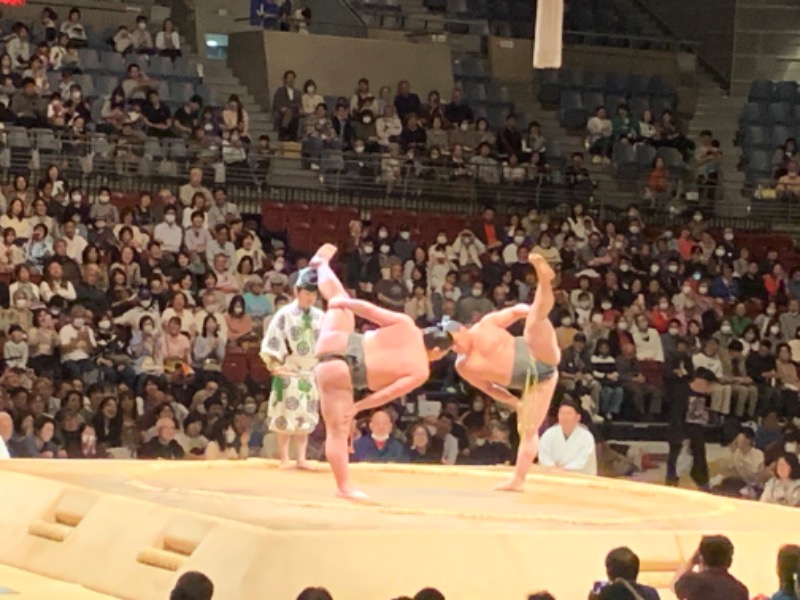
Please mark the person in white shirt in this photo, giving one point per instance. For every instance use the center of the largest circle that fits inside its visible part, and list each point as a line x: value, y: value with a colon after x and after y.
x: 54, y: 284
x: 168, y: 42
x: 742, y: 470
x: 568, y: 445
x: 169, y: 233
x: 647, y: 341
x: 388, y: 127
x: 709, y: 359
x: 77, y: 342
x: 598, y: 137
x: 187, y: 191
x: 76, y: 244
x: 6, y: 431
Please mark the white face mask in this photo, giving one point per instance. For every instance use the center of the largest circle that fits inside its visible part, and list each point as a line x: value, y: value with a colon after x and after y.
x: 142, y: 25
x: 720, y: 252
x: 664, y: 306
x: 518, y: 239
x: 728, y: 237
x: 477, y: 291
x: 78, y: 323
x: 250, y: 408
x: 76, y: 198
x: 686, y: 290
x: 238, y: 310
x: 311, y: 89
x: 624, y: 268
x: 703, y: 290
x: 673, y: 331
x: 465, y: 127
x: 279, y: 264
x: 104, y: 198
x: 672, y: 268
x: 105, y: 324
x: 566, y: 321
x: 170, y: 218
x: 405, y: 235
x: 230, y: 436
x: 775, y: 329
x: 21, y: 304
x: 597, y: 319
x: 654, y: 268
x: 606, y: 305
x: 441, y: 239
x: 584, y: 304
x: 619, y: 245
x: 367, y: 120
x: 771, y: 311
x: 147, y: 329
x: 477, y: 406
x: 698, y: 218
x: 368, y: 249
x: 622, y: 326
x: 385, y: 248
x: 383, y: 234
x: 380, y: 438
x: 634, y: 230
x: 726, y: 329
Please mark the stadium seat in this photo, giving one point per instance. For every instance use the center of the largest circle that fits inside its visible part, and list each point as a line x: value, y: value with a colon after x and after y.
x: 756, y: 136
x: 645, y: 155
x: 45, y: 141
x: 273, y: 216
x: 759, y: 166
x: 617, y: 83
x: 780, y: 113
x: 593, y: 81
x: 673, y: 160
x: 755, y: 113
x: 786, y: 91
x: 779, y: 134
x: 153, y: 149
x: 90, y: 61
x: 761, y: 90
x: 573, y: 114
x: 569, y: 80
x: 549, y: 91
x: 300, y: 237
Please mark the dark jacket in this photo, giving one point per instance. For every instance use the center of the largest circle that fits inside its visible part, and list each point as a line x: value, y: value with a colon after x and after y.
x: 367, y: 450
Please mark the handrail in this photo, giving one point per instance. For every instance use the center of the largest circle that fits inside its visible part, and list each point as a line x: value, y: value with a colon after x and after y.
x: 98, y: 5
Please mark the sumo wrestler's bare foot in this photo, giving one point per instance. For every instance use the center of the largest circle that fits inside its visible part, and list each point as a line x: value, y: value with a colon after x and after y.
x: 285, y: 465
x: 304, y: 465
x: 351, y: 494
x: 324, y: 254
x: 511, y: 486
x: 544, y: 272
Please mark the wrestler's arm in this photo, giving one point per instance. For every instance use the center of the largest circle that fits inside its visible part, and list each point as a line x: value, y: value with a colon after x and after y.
x: 494, y: 391
x: 368, y: 311
x: 508, y: 316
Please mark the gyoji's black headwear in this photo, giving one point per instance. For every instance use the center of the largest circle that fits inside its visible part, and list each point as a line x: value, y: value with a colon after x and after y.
x: 306, y: 280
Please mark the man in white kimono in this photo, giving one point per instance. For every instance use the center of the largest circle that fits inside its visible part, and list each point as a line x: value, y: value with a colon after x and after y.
x: 568, y: 445
x: 288, y: 351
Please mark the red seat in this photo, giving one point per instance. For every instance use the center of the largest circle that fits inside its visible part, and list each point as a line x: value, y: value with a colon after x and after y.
x: 324, y: 233
x: 324, y: 213
x: 273, y: 216
x: 235, y: 367
x: 344, y: 215
x: 384, y: 217
x: 297, y: 213
x: 259, y: 372
x: 300, y: 238
x: 407, y: 217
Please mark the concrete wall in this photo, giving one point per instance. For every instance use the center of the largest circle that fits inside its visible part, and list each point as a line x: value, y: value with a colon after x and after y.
x: 512, y: 60
x: 767, y: 44
x: 709, y: 22
x: 337, y: 63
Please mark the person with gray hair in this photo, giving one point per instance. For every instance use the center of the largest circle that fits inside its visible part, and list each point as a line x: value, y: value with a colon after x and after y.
x: 6, y: 431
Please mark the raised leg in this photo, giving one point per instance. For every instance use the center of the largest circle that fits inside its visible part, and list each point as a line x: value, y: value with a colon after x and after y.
x: 284, y: 440
x: 540, y: 335
x: 336, y: 396
x: 531, y: 421
x: 329, y: 284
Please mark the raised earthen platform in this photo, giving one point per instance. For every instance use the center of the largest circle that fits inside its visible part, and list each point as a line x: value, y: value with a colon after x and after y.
x: 129, y: 528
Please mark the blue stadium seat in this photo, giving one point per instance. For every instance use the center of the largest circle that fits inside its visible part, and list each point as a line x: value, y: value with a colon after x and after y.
x: 761, y: 90
x: 658, y: 104
x: 673, y: 160
x: 549, y: 91
x: 779, y: 135
x: 593, y: 81
x: 90, y: 60
x: 639, y: 104
x: 780, y: 113
x: 624, y: 161
x: 785, y: 91
x: 636, y: 85
x: 475, y: 91
x: 112, y: 62
x: 759, y: 166
x: 498, y: 94
x: 645, y: 155
x: 617, y: 83
x: 161, y: 66
x: 573, y: 114
x: 754, y: 113
x: 612, y: 101
x: 756, y: 136
x: 656, y: 86
x: 591, y: 100
x: 570, y: 80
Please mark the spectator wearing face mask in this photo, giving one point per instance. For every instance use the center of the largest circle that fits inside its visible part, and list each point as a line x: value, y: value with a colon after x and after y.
x: 363, y: 269
x: 225, y: 443
x: 470, y: 308
x: 647, y: 341
x: 466, y: 249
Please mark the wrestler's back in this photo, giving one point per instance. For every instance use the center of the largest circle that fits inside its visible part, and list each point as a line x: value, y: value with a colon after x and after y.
x: 393, y: 352
x: 491, y: 357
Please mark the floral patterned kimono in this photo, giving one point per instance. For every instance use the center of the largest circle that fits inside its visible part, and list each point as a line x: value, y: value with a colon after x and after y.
x: 289, y: 342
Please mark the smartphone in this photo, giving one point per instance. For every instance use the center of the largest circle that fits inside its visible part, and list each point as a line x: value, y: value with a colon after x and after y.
x: 598, y: 586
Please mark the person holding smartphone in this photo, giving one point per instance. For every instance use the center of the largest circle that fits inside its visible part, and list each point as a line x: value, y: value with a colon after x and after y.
x: 622, y: 568
x: 705, y: 575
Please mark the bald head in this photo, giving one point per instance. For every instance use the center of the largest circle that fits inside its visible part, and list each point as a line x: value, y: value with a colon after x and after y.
x: 6, y: 426
x: 380, y: 425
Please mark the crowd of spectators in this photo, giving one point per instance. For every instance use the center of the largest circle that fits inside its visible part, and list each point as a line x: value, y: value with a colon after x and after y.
x: 387, y: 137
x: 705, y: 575
x: 40, y: 87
